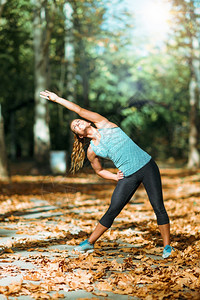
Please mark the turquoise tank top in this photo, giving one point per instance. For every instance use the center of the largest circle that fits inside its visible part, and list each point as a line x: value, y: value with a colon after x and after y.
x: 115, y: 145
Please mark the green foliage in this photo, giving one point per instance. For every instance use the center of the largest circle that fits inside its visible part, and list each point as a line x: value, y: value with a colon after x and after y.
x: 184, y: 47
x: 146, y: 95
x: 16, y: 72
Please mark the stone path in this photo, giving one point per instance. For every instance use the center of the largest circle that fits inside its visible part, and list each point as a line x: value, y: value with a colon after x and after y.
x: 8, y: 234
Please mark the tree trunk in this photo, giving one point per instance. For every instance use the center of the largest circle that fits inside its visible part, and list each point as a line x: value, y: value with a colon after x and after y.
x: 2, y: 4
x: 41, y: 124
x: 194, y: 89
x: 13, y: 148
x: 85, y: 80
x: 194, y: 157
x: 69, y: 58
x: 69, y: 51
x: 3, y: 155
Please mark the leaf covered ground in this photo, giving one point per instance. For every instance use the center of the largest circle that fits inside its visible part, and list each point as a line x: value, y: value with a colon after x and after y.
x: 127, y: 259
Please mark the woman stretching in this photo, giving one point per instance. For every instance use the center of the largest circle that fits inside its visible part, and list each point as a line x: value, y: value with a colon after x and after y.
x: 135, y: 167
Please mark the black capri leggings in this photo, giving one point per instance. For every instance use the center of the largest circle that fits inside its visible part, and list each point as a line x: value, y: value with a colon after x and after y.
x: 149, y: 175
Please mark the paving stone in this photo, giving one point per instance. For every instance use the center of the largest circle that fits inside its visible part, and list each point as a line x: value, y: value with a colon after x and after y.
x: 42, y: 209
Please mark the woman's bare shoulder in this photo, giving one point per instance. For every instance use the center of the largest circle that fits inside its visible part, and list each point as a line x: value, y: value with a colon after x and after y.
x: 105, y: 124
x: 90, y: 153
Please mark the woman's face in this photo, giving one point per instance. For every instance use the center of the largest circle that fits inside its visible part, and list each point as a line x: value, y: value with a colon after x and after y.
x: 79, y: 127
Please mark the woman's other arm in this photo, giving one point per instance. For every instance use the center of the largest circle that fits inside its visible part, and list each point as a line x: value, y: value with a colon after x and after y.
x: 96, y: 165
x: 82, y: 112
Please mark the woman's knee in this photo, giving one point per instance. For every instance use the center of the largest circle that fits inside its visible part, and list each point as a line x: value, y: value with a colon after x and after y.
x: 112, y: 212
x: 109, y: 216
x: 162, y: 216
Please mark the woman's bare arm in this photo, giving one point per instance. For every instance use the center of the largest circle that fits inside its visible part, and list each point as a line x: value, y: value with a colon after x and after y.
x: 96, y: 165
x: 82, y: 112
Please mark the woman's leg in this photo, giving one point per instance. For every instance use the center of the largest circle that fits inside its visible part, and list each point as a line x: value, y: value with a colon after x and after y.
x: 99, y: 230
x: 165, y: 233
x: 123, y: 192
x: 153, y: 186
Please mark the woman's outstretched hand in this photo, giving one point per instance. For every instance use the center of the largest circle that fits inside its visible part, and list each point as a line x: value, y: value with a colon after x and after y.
x: 49, y: 96
x: 120, y: 175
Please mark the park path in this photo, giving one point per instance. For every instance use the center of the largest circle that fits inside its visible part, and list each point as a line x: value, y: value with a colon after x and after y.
x: 18, y: 261
x: 39, y: 235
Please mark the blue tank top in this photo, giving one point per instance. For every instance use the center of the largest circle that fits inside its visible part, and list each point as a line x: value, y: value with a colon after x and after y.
x: 115, y: 145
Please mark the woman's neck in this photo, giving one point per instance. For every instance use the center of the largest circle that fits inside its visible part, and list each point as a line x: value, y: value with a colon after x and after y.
x: 93, y: 134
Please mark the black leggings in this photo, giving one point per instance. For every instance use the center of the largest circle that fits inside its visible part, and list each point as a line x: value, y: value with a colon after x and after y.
x: 149, y: 175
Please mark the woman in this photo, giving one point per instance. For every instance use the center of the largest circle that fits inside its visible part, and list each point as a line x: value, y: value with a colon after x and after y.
x: 135, y: 167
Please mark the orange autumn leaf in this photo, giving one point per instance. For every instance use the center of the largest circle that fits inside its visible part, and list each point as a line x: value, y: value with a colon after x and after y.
x: 127, y: 259
x: 104, y: 286
x: 32, y: 277
x: 14, y: 288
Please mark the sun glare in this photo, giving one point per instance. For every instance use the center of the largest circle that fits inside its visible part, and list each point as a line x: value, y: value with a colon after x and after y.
x: 155, y: 16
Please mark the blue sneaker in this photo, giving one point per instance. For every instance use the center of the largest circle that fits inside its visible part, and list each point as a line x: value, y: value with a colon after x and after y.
x: 84, y: 246
x: 167, y: 251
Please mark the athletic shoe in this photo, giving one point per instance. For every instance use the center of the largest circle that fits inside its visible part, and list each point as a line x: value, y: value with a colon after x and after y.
x: 84, y: 246
x: 167, y: 251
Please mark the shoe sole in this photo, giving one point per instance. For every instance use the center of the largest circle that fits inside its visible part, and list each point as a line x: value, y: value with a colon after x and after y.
x: 166, y: 256
x: 86, y: 251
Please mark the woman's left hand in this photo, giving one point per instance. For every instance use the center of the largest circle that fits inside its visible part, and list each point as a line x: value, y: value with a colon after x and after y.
x: 120, y: 175
x: 49, y: 96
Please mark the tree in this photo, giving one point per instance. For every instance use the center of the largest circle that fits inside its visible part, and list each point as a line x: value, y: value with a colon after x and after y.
x: 2, y: 4
x: 3, y: 155
x: 101, y: 71
x: 194, y: 88
x: 42, y: 35
x: 16, y: 72
x: 186, y: 19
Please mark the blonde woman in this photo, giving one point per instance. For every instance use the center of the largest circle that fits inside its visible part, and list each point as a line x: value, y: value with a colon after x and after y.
x: 135, y: 167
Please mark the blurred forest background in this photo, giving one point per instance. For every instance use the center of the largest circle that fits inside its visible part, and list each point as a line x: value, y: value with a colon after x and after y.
x: 91, y: 52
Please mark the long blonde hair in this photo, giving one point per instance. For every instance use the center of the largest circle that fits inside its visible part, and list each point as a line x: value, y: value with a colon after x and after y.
x: 78, y: 154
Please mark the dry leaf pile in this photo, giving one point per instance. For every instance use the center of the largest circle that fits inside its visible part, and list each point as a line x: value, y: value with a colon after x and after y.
x: 127, y: 259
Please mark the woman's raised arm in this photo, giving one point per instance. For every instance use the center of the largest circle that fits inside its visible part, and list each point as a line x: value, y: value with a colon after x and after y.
x: 82, y: 112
